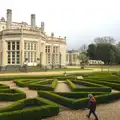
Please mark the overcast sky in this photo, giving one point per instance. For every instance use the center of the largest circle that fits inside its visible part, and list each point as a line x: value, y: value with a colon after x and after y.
x: 79, y: 20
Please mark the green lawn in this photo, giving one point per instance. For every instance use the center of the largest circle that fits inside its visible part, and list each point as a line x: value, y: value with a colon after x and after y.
x: 110, y: 66
x: 38, y: 69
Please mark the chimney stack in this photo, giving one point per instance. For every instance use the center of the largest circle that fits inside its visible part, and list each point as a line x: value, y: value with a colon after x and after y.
x: 9, y: 19
x: 42, y: 27
x: 33, y: 21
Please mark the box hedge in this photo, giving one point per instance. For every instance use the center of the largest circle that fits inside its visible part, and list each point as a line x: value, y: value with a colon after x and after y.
x: 11, y: 95
x: 21, y: 110
x: 59, y: 77
x: 44, y: 87
x: 101, y: 88
x: 2, y: 86
x: 56, y: 98
x: 86, y: 83
x: 115, y: 86
x: 78, y: 103
x: 26, y: 83
x: 78, y: 95
x: 101, y: 99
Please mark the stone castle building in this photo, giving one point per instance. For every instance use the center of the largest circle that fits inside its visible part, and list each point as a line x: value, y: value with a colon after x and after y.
x: 20, y: 42
x: 72, y: 59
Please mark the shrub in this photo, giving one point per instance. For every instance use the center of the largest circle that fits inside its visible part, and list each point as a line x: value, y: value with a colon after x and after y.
x: 54, y: 83
x: 3, y: 86
x: 82, y: 103
x: 103, y: 77
x: 6, y: 78
x: 86, y: 83
x: 11, y: 95
x: 71, y: 85
x: 16, y: 111
x: 115, y: 86
x: 37, y: 86
x: 32, y: 82
x: 79, y: 103
x: 78, y: 95
x: 56, y: 98
x: 101, y: 88
x: 94, y: 89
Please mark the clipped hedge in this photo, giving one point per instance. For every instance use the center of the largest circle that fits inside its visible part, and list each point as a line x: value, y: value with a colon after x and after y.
x: 6, y: 78
x: 56, y: 98
x: 103, y: 77
x: 91, y: 73
x: 23, y: 83
x: 101, y: 88
x: 78, y: 95
x: 2, y: 86
x: 115, y: 86
x: 41, y: 108
x: 71, y: 84
x: 43, y: 87
x: 11, y: 95
x: 93, y: 89
x: 86, y: 83
x: 101, y: 99
x: 59, y: 77
x: 78, y: 103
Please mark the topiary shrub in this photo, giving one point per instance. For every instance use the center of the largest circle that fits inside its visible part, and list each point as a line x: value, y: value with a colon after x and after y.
x: 29, y: 109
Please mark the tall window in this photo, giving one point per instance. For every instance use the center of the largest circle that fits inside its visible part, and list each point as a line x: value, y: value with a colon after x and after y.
x: 28, y: 56
x: 31, y: 46
x: 25, y: 45
x: 34, y: 46
x: 30, y: 51
x: 9, y: 46
x: 18, y: 45
x: 13, y: 52
x: 13, y: 45
x: 9, y: 60
x: 18, y: 57
x: 13, y: 57
x: 48, y: 54
x: 28, y: 46
x: 55, y: 53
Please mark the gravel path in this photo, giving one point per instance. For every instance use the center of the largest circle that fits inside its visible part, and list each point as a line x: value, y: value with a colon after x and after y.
x: 105, y: 112
x: 29, y: 93
x: 48, y: 73
x: 62, y: 87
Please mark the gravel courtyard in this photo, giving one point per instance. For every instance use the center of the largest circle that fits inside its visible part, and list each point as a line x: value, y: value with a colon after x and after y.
x: 105, y: 112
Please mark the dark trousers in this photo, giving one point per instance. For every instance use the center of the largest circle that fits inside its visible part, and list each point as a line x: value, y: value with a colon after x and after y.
x: 93, y: 112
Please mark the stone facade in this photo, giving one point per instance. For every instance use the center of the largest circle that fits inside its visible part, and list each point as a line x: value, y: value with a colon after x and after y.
x: 20, y: 42
x: 72, y: 57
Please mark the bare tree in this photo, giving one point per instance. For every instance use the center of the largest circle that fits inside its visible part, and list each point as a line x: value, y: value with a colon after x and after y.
x: 83, y: 48
x: 105, y: 40
x: 82, y: 59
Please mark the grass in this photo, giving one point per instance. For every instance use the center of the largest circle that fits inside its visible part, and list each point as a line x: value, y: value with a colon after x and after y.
x: 38, y: 69
x: 105, y: 66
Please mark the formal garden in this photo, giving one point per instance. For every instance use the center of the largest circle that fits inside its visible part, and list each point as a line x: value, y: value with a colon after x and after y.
x: 54, y: 93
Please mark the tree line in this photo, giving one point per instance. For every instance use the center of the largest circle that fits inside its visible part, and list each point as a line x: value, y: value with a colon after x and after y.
x: 103, y: 48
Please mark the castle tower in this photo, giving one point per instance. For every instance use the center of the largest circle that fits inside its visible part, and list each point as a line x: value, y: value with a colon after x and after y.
x: 9, y: 19
x: 33, y: 21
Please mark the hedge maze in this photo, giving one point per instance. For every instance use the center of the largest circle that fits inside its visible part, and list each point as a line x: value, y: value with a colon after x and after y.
x: 7, y: 94
x: 49, y: 102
